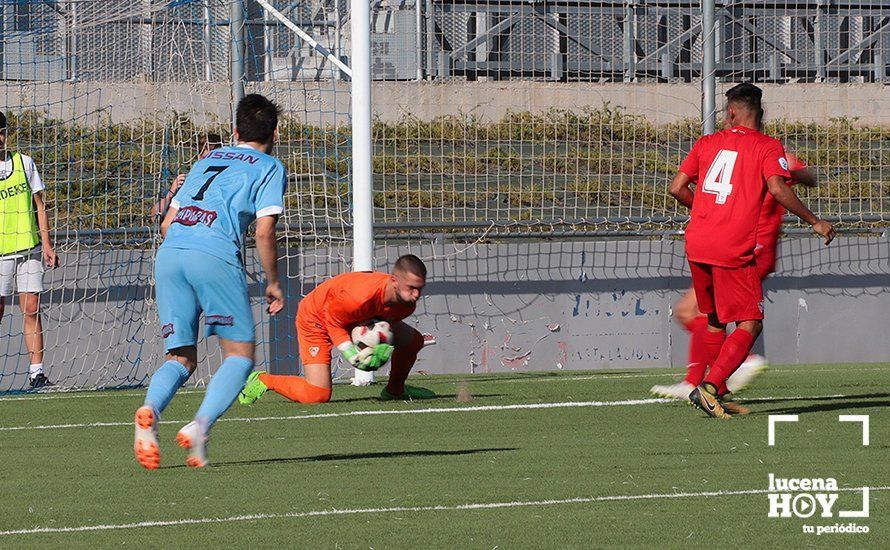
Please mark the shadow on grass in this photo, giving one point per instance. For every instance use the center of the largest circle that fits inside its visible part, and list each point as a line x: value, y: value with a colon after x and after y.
x: 353, y: 456
x: 439, y: 397
x: 548, y: 375
x: 826, y: 403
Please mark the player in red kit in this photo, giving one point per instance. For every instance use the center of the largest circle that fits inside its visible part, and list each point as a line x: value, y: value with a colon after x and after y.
x: 686, y: 311
x: 733, y: 171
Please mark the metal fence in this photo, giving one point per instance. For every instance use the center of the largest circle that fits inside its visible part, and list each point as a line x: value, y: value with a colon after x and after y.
x: 508, y: 113
x: 572, y: 41
x: 493, y: 119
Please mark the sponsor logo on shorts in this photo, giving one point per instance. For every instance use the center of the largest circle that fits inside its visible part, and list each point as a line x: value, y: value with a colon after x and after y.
x: 192, y: 215
x: 318, y: 325
x: 167, y: 330
x: 313, y: 351
x: 224, y: 320
x: 760, y: 306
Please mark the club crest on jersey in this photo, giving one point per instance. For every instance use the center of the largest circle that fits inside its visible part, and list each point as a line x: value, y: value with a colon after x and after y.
x: 167, y: 330
x: 783, y: 162
x: 192, y: 215
x: 223, y: 320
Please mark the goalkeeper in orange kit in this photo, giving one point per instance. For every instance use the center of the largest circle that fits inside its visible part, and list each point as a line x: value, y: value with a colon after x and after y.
x: 324, y: 320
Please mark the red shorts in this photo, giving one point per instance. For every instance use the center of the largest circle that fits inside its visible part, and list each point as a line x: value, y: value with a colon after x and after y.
x: 312, y: 337
x: 765, y: 260
x: 734, y: 294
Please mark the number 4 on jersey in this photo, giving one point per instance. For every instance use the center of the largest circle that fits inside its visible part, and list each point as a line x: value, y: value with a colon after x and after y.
x: 719, y: 176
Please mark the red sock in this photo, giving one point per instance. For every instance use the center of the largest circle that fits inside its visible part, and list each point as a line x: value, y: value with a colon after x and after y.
x: 698, y: 357
x: 713, y: 342
x: 732, y: 354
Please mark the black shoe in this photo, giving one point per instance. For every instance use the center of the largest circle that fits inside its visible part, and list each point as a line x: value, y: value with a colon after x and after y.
x: 40, y: 381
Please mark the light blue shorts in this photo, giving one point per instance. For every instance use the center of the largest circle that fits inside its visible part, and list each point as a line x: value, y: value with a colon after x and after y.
x: 190, y: 282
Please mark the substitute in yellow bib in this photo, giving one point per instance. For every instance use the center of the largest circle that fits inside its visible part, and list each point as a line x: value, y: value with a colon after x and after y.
x: 25, y: 246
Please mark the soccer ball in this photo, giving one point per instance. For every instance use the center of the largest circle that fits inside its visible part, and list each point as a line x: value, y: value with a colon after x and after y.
x: 371, y: 333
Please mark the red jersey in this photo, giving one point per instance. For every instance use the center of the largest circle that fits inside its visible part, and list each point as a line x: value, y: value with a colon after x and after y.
x: 730, y: 169
x: 348, y: 299
x: 772, y: 212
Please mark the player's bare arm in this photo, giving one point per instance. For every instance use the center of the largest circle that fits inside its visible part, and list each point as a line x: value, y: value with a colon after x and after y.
x: 267, y: 247
x: 168, y: 219
x: 164, y: 203
x: 803, y: 176
x: 786, y: 196
x: 49, y: 255
x: 680, y: 189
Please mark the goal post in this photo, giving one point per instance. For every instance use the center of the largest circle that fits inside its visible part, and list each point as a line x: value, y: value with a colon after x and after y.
x: 362, y: 176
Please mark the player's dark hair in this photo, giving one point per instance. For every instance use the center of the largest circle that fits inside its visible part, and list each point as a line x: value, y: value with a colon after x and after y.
x: 256, y: 119
x: 2, y: 122
x: 748, y: 96
x: 411, y: 264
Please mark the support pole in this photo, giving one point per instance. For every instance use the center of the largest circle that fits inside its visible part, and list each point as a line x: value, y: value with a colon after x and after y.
x: 236, y: 30
x: 708, y: 72
x: 267, y: 47
x: 72, y: 49
x: 208, y: 52
x: 629, y: 38
x: 418, y: 37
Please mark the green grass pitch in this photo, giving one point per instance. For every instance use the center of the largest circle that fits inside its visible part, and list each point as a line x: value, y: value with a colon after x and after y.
x: 615, y: 468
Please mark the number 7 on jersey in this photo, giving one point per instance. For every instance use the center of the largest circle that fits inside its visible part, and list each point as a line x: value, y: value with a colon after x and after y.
x: 719, y: 176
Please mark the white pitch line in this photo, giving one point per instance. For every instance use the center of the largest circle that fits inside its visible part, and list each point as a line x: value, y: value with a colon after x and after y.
x: 399, y: 509
x: 436, y: 410
x: 86, y: 394
x: 520, y: 406
x: 678, y: 375
x: 92, y: 394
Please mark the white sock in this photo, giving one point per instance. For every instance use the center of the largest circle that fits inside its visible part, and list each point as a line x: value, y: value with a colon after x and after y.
x: 35, y: 369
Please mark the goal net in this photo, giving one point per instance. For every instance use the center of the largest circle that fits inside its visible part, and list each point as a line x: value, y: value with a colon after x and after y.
x: 111, y: 100
x: 493, y: 121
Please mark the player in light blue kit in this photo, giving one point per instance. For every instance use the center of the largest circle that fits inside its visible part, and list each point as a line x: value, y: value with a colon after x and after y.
x: 199, y: 269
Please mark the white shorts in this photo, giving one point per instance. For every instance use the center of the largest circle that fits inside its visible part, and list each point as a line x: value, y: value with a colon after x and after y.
x: 20, y: 274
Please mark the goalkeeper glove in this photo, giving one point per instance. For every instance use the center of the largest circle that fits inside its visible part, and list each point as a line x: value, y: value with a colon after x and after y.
x: 380, y: 354
x: 354, y: 356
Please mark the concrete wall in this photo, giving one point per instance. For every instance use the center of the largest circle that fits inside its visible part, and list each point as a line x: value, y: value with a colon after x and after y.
x: 600, y: 305
x: 326, y: 103
x: 492, y: 307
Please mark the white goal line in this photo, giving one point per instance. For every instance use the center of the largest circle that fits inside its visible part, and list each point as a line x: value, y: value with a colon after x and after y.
x: 436, y: 410
x: 397, y: 509
x: 92, y: 394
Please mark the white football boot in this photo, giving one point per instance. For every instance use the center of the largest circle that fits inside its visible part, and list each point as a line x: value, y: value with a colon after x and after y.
x: 745, y: 374
x: 145, y: 444
x: 193, y: 438
x: 680, y: 390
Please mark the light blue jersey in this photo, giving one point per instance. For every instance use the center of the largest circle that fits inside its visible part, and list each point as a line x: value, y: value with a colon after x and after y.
x: 220, y: 197
x: 222, y: 194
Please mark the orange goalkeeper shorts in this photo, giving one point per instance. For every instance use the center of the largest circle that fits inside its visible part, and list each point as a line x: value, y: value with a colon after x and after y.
x: 312, y: 336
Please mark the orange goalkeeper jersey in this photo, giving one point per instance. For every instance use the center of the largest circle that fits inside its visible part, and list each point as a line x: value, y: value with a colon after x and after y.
x: 346, y: 300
